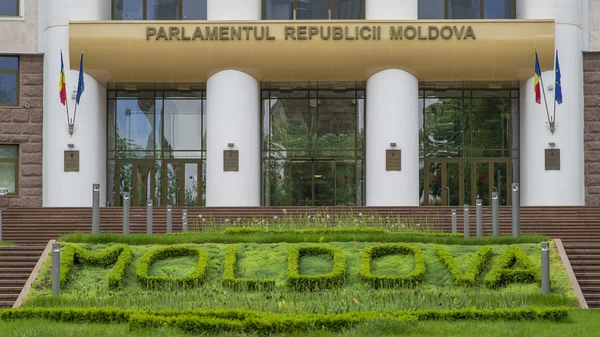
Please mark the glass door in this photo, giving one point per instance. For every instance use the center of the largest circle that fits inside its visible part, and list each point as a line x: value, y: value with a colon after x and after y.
x: 182, y: 182
x: 301, y: 184
x: 324, y: 183
x: 313, y: 182
x: 138, y: 178
x: 444, y: 183
x: 489, y: 175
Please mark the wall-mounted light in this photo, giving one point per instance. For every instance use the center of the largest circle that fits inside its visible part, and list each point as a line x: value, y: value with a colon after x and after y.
x: 393, y: 144
x: 230, y: 144
x: 552, y: 144
x: 71, y: 145
x: 550, y: 87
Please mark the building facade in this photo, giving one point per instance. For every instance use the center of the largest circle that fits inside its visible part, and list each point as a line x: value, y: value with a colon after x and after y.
x: 304, y: 102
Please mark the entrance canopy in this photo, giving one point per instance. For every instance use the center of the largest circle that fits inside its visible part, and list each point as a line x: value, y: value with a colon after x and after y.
x: 184, y: 51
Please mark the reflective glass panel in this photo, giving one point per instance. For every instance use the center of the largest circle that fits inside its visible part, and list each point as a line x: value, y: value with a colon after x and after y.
x: 162, y: 9
x: 9, y: 63
x: 464, y: 9
x: 8, y: 172
x: 431, y: 9
x: 491, y: 125
x: 499, y: 9
x: 135, y: 125
x: 443, y: 118
x: 9, y: 151
x: 347, y: 9
x: 194, y: 9
x: 336, y: 126
x: 183, y: 124
x: 278, y: 9
x: 128, y: 10
x: 8, y: 89
x: 191, y: 184
x: 313, y: 10
x: 9, y: 7
x: 291, y: 124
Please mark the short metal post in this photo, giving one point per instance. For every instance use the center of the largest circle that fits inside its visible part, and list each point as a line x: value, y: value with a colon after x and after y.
x: 515, y: 210
x: 169, y: 219
x: 149, y: 217
x: 453, y: 221
x: 96, y: 209
x: 466, y: 223
x: 545, y: 269
x: 184, y: 221
x: 126, y: 203
x: 478, y: 223
x: 495, y: 222
x: 56, y: 269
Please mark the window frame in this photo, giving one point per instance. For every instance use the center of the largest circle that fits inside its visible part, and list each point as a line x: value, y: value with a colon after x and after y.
x: 17, y: 15
x: 18, y: 80
x: 481, y: 11
x: 145, y: 11
x: 16, y: 161
x: 295, y: 7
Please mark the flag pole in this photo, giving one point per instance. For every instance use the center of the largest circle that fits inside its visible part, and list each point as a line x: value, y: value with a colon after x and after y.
x: 545, y: 101
x: 554, y: 115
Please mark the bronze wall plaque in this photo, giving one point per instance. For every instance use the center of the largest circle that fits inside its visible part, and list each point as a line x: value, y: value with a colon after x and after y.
x: 231, y: 162
x: 71, y: 161
x: 552, y: 159
x: 393, y: 160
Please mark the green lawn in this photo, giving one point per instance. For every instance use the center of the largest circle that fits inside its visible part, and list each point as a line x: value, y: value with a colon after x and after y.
x: 580, y: 323
x: 88, y: 286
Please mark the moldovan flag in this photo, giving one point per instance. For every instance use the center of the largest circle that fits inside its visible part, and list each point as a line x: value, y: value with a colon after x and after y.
x: 62, y: 83
x: 537, y: 77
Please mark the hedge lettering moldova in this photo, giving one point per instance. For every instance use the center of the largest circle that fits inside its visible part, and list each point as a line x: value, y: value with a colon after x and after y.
x: 331, y: 280
x: 193, y: 279
x: 229, y: 279
x: 409, y: 280
x: 513, y: 266
x: 119, y: 255
x: 469, y: 277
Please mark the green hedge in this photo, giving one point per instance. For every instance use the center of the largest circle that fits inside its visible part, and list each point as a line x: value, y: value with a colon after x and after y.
x: 409, y: 280
x: 230, y: 281
x: 119, y: 255
x: 191, y: 280
x: 513, y: 266
x: 331, y: 280
x: 469, y: 277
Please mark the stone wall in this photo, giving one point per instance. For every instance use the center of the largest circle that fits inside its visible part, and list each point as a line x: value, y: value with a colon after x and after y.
x: 22, y: 125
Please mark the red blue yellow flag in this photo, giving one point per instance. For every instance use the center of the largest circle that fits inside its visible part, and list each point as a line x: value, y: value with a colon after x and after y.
x: 62, y: 83
x: 536, y: 81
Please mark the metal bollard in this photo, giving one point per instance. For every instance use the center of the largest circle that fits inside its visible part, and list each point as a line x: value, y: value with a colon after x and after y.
x: 56, y: 269
x: 515, y: 210
x: 149, y: 217
x: 478, y: 223
x: 184, y: 221
x: 96, y: 209
x: 169, y: 219
x: 126, y: 204
x: 545, y: 268
x: 466, y: 223
x: 453, y: 221
x: 495, y: 222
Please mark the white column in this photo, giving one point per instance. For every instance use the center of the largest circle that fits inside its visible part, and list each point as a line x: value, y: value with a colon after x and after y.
x: 72, y: 189
x: 234, y: 9
x: 232, y: 99
x: 392, y: 117
x: 567, y: 186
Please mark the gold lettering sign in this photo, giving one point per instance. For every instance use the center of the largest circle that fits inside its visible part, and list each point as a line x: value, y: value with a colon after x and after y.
x: 393, y: 160
x: 71, y: 161
x: 231, y: 161
x: 552, y: 159
x: 304, y: 33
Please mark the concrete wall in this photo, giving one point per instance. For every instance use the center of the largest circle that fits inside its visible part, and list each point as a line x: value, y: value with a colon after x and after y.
x: 20, y: 34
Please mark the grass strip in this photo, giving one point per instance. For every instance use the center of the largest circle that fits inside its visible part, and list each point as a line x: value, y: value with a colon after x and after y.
x: 293, y: 237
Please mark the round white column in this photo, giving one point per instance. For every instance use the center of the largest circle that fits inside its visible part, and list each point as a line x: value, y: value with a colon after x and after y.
x: 234, y: 9
x: 232, y: 99
x: 60, y: 188
x: 565, y: 187
x: 392, y: 117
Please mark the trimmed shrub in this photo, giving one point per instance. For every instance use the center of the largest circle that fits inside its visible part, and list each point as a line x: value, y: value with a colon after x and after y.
x: 119, y: 255
x: 409, y: 280
x: 504, y: 271
x: 230, y: 281
x: 331, y: 280
x: 469, y: 277
x: 191, y: 280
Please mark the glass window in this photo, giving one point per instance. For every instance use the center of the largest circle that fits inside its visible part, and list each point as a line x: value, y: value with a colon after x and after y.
x: 464, y: 9
x: 432, y: 9
x: 162, y: 9
x: 194, y: 9
x: 128, y: 10
x: 183, y: 120
x: 9, y: 7
x: 278, y: 9
x: 9, y: 80
x: 312, y: 10
x: 347, y: 9
x: 499, y: 9
x: 135, y: 125
x: 9, y: 164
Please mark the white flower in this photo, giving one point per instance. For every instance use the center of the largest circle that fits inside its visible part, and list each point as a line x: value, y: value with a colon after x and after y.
x: 275, y: 217
x: 284, y: 211
x: 359, y: 214
x: 200, y: 216
x: 327, y: 216
x: 226, y: 220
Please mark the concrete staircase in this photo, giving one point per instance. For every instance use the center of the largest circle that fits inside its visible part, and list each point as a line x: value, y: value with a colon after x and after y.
x: 16, y: 264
